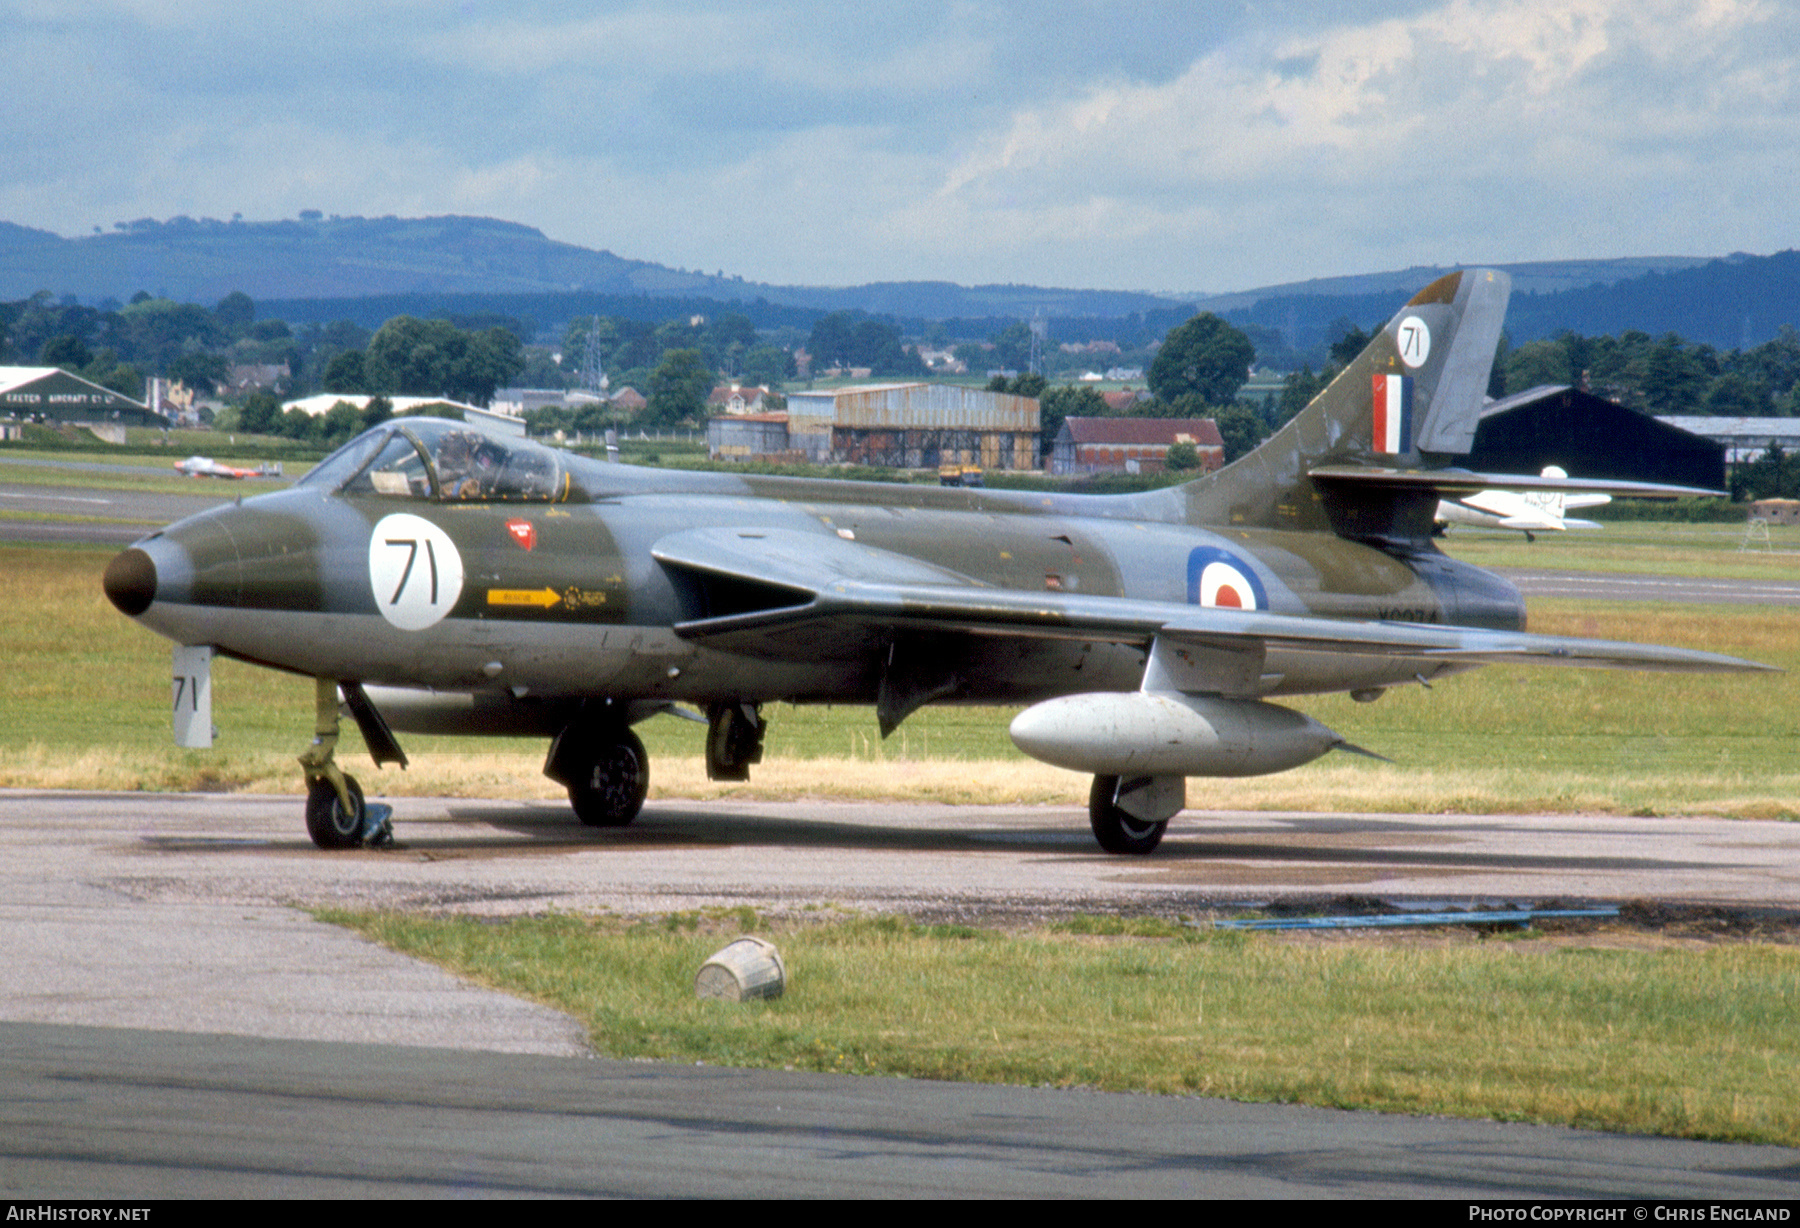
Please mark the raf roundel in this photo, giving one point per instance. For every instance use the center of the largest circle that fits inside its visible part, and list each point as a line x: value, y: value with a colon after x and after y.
x: 1219, y: 578
x: 414, y: 570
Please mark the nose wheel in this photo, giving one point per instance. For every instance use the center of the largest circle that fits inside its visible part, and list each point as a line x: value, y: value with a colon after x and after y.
x: 331, y: 823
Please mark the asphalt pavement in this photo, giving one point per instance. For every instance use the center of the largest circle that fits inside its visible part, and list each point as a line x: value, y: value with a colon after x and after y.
x: 175, y: 1024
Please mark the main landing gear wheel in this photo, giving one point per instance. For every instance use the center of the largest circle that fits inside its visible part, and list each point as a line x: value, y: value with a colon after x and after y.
x: 1117, y: 831
x: 609, y: 788
x: 327, y: 822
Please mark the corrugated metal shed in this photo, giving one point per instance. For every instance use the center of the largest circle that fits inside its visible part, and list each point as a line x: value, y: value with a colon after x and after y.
x: 1745, y: 439
x: 747, y: 437
x: 914, y: 425
x: 912, y: 407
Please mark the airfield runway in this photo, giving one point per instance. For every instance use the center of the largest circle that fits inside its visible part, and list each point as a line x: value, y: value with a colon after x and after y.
x: 175, y: 1025
x: 90, y: 514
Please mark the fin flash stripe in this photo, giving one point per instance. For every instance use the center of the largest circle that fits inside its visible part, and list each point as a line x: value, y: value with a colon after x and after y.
x: 1393, y: 414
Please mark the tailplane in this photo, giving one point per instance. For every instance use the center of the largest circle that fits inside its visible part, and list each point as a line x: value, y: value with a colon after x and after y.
x: 1409, y: 403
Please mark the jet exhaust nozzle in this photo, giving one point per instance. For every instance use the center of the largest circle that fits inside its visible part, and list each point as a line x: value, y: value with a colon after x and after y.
x: 1145, y: 733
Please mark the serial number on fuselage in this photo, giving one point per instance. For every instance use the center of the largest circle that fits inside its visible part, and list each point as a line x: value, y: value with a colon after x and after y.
x: 1408, y: 614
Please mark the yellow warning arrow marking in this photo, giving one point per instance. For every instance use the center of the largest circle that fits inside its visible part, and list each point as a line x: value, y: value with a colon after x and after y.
x: 545, y: 597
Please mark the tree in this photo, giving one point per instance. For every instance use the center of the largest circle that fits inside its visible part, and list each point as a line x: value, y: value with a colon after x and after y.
x: 679, y: 388
x: 340, y: 422
x: 201, y: 371
x: 1352, y: 342
x: 1205, y: 357
x: 1297, y: 392
x: 1059, y: 404
x: 235, y: 313
x: 1773, y: 475
x: 489, y: 359
x: 1025, y: 384
x: 435, y: 358
x: 1733, y: 396
x: 344, y: 373
x: 850, y: 339
x: 1012, y: 347
x: 1539, y: 362
x: 378, y: 410
x: 1181, y: 457
x: 259, y: 414
x: 126, y: 381
x: 1672, y: 377
x: 69, y: 352
x: 768, y: 366
x: 1241, y: 430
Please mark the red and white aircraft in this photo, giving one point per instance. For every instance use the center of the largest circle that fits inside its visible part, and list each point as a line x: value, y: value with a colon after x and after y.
x: 207, y: 467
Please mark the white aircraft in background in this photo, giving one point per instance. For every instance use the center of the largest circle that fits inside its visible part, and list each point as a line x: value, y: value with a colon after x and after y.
x: 1529, y: 511
x: 207, y: 467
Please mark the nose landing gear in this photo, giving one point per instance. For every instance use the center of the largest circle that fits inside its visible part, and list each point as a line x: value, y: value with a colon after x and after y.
x: 337, y: 817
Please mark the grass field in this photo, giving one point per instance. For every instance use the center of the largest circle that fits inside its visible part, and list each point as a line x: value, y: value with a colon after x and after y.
x: 1703, y: 550
x: 1696, y: 1043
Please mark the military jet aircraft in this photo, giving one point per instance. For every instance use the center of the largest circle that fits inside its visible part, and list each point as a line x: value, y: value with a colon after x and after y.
x: 207, y: 467
x: 442, y: 579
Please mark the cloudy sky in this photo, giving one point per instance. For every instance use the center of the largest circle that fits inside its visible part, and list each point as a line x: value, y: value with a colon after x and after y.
x: 1187, y: 146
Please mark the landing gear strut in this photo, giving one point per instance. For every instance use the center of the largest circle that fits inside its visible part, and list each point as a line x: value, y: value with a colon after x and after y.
x: 336, y: 816
x: 734, y: 740
x: 606, y: 771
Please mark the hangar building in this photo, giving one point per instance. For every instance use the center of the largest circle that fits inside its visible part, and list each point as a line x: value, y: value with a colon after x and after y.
x: 1590, y: 437
x: 914, y: 426
x: 50, y: 394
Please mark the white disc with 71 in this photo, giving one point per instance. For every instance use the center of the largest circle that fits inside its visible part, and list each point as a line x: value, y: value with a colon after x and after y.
x: 414, y: 570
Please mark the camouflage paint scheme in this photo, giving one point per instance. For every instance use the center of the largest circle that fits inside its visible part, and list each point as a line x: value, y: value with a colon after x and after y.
x: 1307, y: 566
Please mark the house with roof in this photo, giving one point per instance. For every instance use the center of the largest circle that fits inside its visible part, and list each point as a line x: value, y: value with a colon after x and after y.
x: 736, y: 399
x: 1132, y: 445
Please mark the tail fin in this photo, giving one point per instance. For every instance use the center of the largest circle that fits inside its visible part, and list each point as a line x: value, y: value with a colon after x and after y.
x: 1549, y: 502
x: 1410, y: 401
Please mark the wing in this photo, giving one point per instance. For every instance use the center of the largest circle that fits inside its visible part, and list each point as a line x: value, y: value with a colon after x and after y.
x: 780, y: 593
x: 1457, y: 483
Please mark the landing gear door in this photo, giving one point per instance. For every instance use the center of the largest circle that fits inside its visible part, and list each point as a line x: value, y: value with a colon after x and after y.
x: 191, y: 690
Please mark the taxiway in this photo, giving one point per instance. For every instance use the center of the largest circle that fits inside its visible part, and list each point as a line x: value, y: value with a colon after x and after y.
x: 175, y: 1024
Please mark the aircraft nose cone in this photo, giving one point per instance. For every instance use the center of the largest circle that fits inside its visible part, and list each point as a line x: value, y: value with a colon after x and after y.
x: 130, y: 582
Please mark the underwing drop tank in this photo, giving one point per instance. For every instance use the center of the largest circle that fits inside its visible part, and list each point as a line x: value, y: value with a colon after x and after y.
x: 1143, y: 733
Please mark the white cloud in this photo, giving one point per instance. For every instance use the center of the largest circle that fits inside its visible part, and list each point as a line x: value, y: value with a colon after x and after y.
x: 1475, y: 125
x: 1185, y: 149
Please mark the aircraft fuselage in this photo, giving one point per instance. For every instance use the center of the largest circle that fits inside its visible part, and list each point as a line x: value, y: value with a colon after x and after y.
x: 556, y: 600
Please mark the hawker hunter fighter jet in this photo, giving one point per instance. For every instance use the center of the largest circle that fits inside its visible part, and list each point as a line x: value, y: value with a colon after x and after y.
x: 442, y: 579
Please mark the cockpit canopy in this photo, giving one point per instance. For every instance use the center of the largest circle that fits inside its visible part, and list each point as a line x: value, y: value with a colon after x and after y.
x: 450, y: 462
